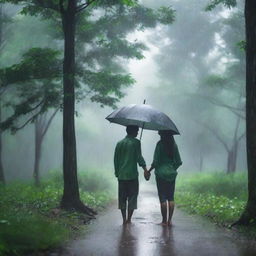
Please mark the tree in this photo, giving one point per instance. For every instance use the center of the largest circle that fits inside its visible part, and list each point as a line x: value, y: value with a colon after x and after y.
x: 250, y: 21
x: 35, y: 86
x: 185, y: 60
x: 2, y: 177
x: 42, y: 125
x: 232, y: 149
x: 69, y: 11
x: 4, y: 19
x: 249, y: 212
x: 232, y: 82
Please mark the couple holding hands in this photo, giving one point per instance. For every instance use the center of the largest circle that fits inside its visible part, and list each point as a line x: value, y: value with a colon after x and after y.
x: 165, y: 162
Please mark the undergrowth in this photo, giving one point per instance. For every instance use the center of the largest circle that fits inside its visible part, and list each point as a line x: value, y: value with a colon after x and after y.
x: 30, y: 218
x: 219, y: 196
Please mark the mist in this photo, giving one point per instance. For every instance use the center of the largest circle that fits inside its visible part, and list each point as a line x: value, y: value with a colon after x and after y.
x: 175, y: 76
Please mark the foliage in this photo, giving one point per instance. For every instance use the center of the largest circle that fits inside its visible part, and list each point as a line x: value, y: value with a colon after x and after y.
x: 37, y: 87
x: 36, y: 63
x: 242, y: 45
x: 30, y: 219
x: 221, y: 209
x: 91, y: 180
x: 219, y: 196
x: 166, y: 15
x: 215, y: 81
x: 102, y: 47
x: 214, y: 3
x: 29, y: 232
x: 217, y: 183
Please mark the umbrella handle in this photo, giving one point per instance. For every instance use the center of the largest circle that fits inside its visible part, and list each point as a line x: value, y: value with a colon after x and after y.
x: 143, y: 123
x: 141, y: 130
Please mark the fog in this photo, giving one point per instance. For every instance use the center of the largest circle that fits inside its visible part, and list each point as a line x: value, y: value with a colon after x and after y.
x: 174, y: 77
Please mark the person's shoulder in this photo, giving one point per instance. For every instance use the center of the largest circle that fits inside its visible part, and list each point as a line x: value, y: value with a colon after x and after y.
x: 120, y: 141
x: 136, y: 140
x: 158, y: 143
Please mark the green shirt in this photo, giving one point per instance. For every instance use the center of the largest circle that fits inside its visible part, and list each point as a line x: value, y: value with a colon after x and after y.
x: 166, y: 167
x: 127, y: 155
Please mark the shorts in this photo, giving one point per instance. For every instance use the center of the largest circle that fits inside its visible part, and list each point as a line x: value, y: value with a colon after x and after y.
x: 128, y: 192
x: 165, y: 190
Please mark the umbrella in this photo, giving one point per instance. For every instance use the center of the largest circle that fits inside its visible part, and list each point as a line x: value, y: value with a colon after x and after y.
x: 144, y: 116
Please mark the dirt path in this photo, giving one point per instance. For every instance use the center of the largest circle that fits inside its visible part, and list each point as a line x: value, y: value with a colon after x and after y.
x: 188, y: 236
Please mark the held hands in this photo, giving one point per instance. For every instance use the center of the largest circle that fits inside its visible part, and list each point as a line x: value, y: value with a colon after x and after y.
x: 147, y: 174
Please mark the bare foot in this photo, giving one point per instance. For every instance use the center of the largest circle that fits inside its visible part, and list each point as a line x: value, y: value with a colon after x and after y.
x: 163, y: 224
x: 128, y: 222
x: 169, y: 223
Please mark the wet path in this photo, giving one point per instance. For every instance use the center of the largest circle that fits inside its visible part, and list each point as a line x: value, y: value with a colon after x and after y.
x: 188, y: 235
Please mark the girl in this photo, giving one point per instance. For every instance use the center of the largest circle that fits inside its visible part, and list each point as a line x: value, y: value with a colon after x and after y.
x: 166, y: 162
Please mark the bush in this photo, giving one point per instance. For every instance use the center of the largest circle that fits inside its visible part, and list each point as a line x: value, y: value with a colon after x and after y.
x: 90, y: 180
x: 219, y: 196
x: 218, y: 183
x: 27, y: 231
x: 30, y: 220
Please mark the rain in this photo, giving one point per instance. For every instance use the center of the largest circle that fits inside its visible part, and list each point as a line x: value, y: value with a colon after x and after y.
x: 66, y: 65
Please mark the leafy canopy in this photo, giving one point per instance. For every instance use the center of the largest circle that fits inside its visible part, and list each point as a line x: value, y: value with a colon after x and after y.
x: 102, y: 49
x: 227, y: 3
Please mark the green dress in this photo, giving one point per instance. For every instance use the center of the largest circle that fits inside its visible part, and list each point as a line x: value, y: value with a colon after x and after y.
x: 166, y: 167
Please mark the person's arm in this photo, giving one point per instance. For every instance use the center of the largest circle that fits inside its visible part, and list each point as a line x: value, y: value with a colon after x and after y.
x: 140, y: 160
x: 155, y: 158
x: 177, y: 159
x: 116, y: 160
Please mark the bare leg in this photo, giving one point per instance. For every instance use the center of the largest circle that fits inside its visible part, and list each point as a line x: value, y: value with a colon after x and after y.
x: 130, y: 213
x: 164, y: 213
x: 124, y: 216
x: 171, y: 209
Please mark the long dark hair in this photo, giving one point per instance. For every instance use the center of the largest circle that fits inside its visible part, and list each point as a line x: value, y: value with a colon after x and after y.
x: 168, y: 142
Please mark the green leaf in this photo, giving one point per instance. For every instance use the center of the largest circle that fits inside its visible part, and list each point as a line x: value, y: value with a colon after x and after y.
x: 226, y: 3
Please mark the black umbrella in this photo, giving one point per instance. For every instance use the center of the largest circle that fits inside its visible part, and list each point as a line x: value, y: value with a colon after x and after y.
x: 144, y: 116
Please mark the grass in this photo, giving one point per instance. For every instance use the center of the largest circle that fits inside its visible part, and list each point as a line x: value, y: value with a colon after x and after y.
x: 219, y: 196
x: 31, y: 221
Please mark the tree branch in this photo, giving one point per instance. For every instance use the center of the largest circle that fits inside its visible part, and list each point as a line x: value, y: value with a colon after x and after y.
x: 35, y: 107
x: 49, y: 121
x: 236, y: 129
x: 216, y: 135
x: 241, y: 136
x: 28, y: 121
x: 62, y: 10
x: 84, y: 6
x: 234, y: 110
x: 48, y: 5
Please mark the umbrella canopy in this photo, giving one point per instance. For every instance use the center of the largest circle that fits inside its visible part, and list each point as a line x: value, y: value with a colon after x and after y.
x: 144, y: 116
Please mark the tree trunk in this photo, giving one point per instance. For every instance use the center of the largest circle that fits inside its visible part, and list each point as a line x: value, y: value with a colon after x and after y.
x: 232, y: 159
x: 250, y: 20
x: 2, y: 177
x: 41, y: 127
x: 71, y: 197
x: 229, y: 161
x: 38, y: 147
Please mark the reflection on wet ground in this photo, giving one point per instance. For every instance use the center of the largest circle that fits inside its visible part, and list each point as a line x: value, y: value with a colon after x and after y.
x: 188, y: 236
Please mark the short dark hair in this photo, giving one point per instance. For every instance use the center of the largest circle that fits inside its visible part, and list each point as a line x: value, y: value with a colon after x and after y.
x: 130, y: 129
